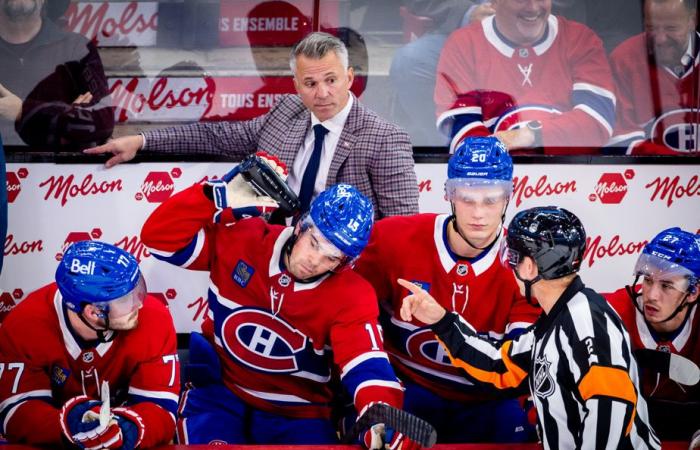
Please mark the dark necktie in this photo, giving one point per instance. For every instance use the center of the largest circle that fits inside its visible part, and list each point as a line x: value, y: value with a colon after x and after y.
x: 309, y: 179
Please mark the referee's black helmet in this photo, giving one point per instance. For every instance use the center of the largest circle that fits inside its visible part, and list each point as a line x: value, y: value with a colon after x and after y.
x: 553, y: 237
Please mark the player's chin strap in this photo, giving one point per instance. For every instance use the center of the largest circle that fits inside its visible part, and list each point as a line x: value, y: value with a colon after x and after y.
x: 103, y: 335
x: 528, y: 286
x: 453, y: 220
x: 635, y: 295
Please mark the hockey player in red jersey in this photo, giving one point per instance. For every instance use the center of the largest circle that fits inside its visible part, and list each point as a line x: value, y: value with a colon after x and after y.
x: 660, y: 310
x: 456, y: 257
x: 658, y: 83
x: 532, y: 78
x: 283, y: 311
x: 91, y: 358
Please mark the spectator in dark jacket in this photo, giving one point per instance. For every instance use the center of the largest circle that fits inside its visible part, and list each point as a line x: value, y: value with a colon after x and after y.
x: 53, y: 89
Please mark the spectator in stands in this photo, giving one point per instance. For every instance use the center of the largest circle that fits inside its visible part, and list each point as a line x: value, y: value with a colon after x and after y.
x: 283, y: 314
x: 532, y: 78
x: 90, y: 358
x: 660, y: 310
x: 414, y: 65
x: 456, y: 257
x: 324, y: 134
x: 658, y: 83
x: 53, y: 89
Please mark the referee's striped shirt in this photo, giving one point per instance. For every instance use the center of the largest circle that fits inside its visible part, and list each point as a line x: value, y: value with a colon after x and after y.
x: 578, y: 365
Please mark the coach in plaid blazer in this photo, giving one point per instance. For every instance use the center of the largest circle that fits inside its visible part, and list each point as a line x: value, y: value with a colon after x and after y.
x: 367, y: 152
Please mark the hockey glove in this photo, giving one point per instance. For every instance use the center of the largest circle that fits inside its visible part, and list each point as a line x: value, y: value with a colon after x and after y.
x: 380, y: 436
x: 235, y: 199
x: 87, y: 424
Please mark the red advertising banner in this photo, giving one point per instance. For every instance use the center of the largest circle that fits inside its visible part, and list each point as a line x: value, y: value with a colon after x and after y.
x: 175, y: 99
x: 114, y: 24
x: 271, y: 23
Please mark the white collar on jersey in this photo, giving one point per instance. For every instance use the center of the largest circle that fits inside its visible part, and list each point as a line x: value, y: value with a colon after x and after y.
x: 446, y: 260
x: 488, y: 24
x: 69, y: 341
x: 275, y: 261
x: 678, y: 342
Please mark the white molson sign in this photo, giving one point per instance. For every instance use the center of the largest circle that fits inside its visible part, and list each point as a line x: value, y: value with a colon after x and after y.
x: 162, y: 99
x: 115, y: 24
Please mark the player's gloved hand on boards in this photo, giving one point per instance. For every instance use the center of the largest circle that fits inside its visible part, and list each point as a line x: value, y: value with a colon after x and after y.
x: 90, y: 426
x: 380, y: 436
x: 235, y: 199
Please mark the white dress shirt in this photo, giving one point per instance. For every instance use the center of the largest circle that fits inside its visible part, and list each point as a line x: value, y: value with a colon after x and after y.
x: 334, y: 125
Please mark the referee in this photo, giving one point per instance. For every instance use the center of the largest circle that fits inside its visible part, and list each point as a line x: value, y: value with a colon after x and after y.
x: 576, y: 359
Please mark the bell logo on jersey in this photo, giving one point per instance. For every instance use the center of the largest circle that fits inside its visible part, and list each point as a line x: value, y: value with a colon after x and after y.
x: 267, y: 343
x: 83, y: 269
x: 543, y: 382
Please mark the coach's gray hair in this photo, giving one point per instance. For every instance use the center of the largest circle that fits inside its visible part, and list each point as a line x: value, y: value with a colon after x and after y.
x: 316, y: 46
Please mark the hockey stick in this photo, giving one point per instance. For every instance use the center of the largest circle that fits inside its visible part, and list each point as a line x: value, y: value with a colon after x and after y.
x: 676, y: 367
x: 417, y: 429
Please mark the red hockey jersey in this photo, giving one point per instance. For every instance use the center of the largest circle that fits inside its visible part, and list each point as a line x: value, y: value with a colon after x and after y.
x: 481, y: 290
x: 487, y: 84
x: 43, y: 364
x: 277, y: 339
x: 657, y: 111
x: 686, y: 343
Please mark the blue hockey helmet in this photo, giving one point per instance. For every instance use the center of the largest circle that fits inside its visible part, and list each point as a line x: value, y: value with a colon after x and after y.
x: 672, y: 252
x: 479, y: 161
x: 94, y: 272
x: 344, y: 216
x: 553, y: 237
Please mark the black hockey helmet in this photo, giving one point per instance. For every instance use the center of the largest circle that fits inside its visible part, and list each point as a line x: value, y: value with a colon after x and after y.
x: 553, y: 237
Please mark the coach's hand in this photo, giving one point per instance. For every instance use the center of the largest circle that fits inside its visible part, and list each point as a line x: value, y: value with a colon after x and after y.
x: 124, y: 149
x: 420, y: 304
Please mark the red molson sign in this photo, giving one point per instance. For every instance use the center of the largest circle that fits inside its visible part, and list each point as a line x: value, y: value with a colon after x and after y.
x: 114, y: 23
x: 272, y: 23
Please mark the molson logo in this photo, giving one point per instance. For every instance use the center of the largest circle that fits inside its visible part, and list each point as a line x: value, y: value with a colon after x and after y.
x: 596, y: 249
x: 158, y: 186
x: 671, y: 189
x: 22, y: 248
x: 64, y: 188
x: 114, y: 23
x: 163, y: 100
x: 611, y: 187
x: 14, y: 185
x: 523, y: 189
x: 8, y: 301
x: 133, y: 245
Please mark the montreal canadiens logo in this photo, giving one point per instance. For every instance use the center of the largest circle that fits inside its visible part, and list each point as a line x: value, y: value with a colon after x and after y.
x: 262, y: 342
x: 518, y: 117
x: 677, y: 129
x: 424, y: 348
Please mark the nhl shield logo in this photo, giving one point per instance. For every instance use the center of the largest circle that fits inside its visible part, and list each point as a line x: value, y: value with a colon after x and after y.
x: 284, y: 280
x: 543, y: 382
x: 462, y: 270
x: 88, y: 357
x: 523, y: 53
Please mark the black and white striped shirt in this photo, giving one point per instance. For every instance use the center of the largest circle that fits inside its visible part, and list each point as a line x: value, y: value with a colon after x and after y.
x: 578, y: 365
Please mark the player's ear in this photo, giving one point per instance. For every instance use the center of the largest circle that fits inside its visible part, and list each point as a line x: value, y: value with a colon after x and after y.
x: 528, y: 268
x: 93, y: 312
x: 693, y: 293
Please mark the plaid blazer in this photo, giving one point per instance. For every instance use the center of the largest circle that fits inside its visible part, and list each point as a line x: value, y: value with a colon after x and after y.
x: 372, y: 154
